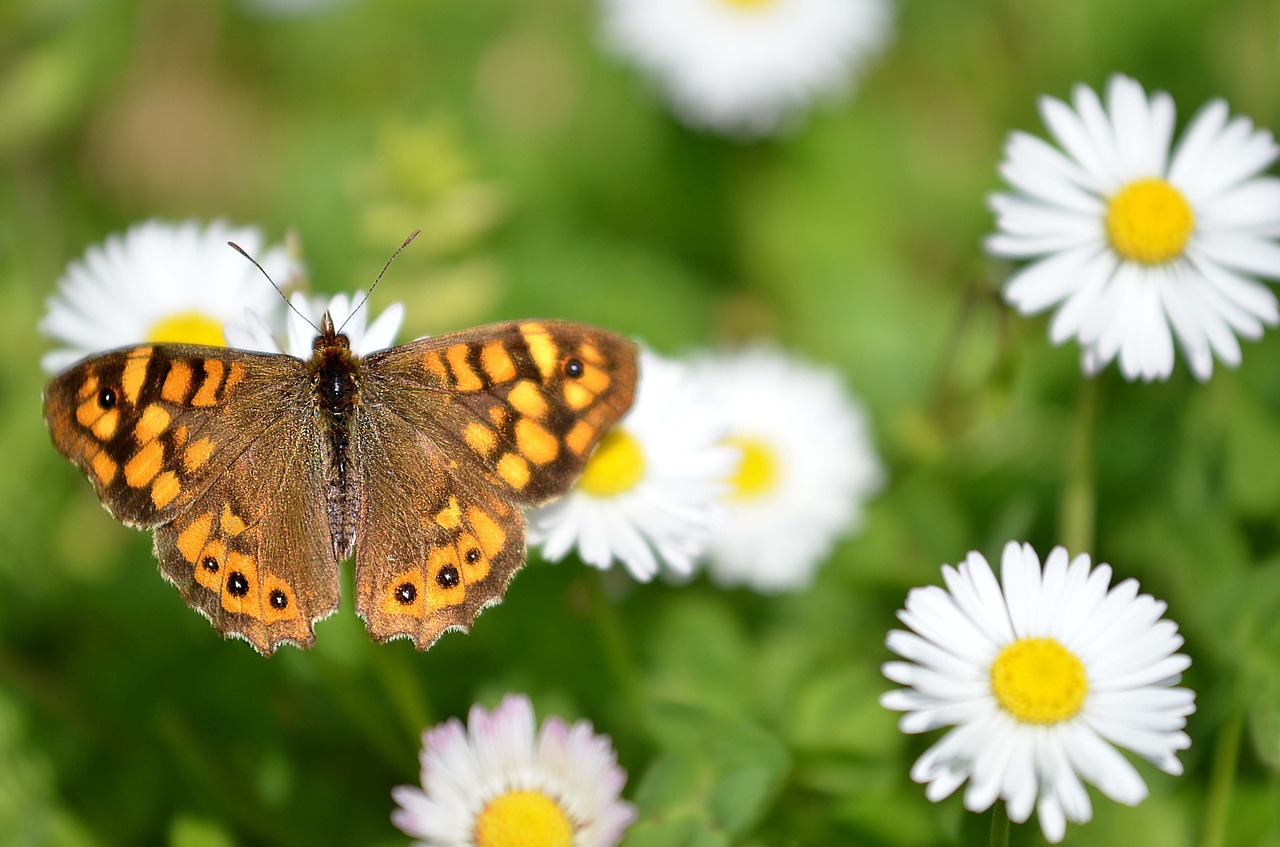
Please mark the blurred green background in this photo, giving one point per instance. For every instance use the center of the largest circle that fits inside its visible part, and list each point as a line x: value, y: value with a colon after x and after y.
x: 549, y: 180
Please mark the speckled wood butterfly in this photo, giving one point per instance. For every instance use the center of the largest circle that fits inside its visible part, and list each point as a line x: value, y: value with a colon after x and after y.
x: 259, y: 472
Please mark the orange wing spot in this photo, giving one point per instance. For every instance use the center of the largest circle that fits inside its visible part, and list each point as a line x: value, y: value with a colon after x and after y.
x: 234, y: 375
x: 104, y: 468
x: 499, y: 415
x: 577, y: 396
x: 594, y: 379
x: 191, y: 540
x: 514, y: 470
x: 208, y: 393
x: 230, y: 522
x: 482, y: 439
x: 464, y: 376
x: 211, y: 565
x: 490, y: 533
x: 435, y: 366
x: 88, y: 388
x: 88, y: 412
x: 527, y: 399
x: 104, y: 428
x: 155, y: 420
x: 472, y: 572
x: 282, y: 606
x: 590, y: 353
x: 240, y: 596
x: 439, y: 597
x: 164, y: 489
x: 541, y: 347
x: 135, y: 374
x: 404, y: 584
x: 177, y: 383
x: 580, y: 437
x: 497, y: 363
x: 535, y: 443
x: 450, y: 516
x: 144, y: 465
x: 179, y: 436
x: 196, y: 454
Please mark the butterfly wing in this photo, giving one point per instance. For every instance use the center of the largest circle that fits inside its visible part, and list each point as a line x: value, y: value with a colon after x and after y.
x: 457, y: 432
x: 217, y: 450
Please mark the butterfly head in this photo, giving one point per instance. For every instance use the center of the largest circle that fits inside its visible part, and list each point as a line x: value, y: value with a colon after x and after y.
x: 329, y: 340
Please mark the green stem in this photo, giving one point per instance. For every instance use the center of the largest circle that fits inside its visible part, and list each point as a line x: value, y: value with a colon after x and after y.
x: 999, y: 825
x: 616, y: 645
x: 1079, y: 499
x: 1222, y: 781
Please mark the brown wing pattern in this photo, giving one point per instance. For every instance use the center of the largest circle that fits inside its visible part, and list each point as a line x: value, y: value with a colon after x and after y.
x: 454, y: 433
x: 211, y: 446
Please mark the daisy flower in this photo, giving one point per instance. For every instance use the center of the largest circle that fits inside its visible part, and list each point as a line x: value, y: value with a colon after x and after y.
x: 1039, y: 681
x: 741, y: 67
x: 305, y: 316
x: 1135, y: 244
x: 161, y: 282
x: 805, y: 466
x: 493, y: 784
x: 648, y: 495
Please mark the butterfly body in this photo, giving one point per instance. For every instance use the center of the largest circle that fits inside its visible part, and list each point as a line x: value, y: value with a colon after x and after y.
x: 260, y: 472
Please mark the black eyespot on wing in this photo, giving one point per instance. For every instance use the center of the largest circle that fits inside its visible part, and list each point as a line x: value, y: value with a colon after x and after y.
x: 448, y: 577
x: 107, y: 398
x: 210, y: 564
x: 278, y: 599
x: 237, y: 585
x: 406, y: 593
x: 573, y: 367
x: 473, y: 555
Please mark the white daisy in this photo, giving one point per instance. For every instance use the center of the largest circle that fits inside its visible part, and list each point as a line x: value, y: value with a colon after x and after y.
x: 303, y: 320
x: 649, y: 493
x: 1039, y: 681
x: 806, y: 465
x: 1129, y: 239
x: 493, y: 784
x: 744, y: 66
x: 161, y: 282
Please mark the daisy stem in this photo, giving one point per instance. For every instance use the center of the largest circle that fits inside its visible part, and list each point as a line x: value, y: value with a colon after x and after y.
x: 1078, y: 498
x: 999, y: 826
x: 1222, y: 781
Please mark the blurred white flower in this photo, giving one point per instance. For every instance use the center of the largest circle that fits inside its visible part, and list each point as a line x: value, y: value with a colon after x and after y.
x: 161, y: 282
x: 648, y: 496
x: 493, y: 784
x: 1039, y: 681
x: 742, y: 67
x: 805, y: 466
x: 1129, y: 239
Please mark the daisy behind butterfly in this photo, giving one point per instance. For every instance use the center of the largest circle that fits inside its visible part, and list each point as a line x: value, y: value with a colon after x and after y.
x: 259, y: 472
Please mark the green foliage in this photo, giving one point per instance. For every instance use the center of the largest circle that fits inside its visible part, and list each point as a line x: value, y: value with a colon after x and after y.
x: 550, y: 181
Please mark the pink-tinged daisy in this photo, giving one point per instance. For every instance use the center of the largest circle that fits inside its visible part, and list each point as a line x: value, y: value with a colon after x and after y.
x: 1041, y: 677
x: 493, y: 783
x: 1133, y: 241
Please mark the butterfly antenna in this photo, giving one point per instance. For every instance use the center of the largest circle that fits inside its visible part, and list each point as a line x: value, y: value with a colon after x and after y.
x: 242, y: 252
x: 399, y: 250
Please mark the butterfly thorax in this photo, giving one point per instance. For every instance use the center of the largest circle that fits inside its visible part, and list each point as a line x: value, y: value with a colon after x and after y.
x: 335, y: 374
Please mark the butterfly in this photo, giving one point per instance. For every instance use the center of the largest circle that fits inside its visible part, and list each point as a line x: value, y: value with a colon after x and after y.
x: 260, y: 472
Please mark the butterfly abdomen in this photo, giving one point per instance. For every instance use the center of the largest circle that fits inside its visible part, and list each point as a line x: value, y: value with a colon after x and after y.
x: 336, y: 381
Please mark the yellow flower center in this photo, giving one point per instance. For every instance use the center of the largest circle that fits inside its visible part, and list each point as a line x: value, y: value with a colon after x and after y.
x: 757, y: 472
x: 188, y: 328
x: 523, y: 819
x: 1037, y: 680
x: 1149, y: 221
x: 615, y: 467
